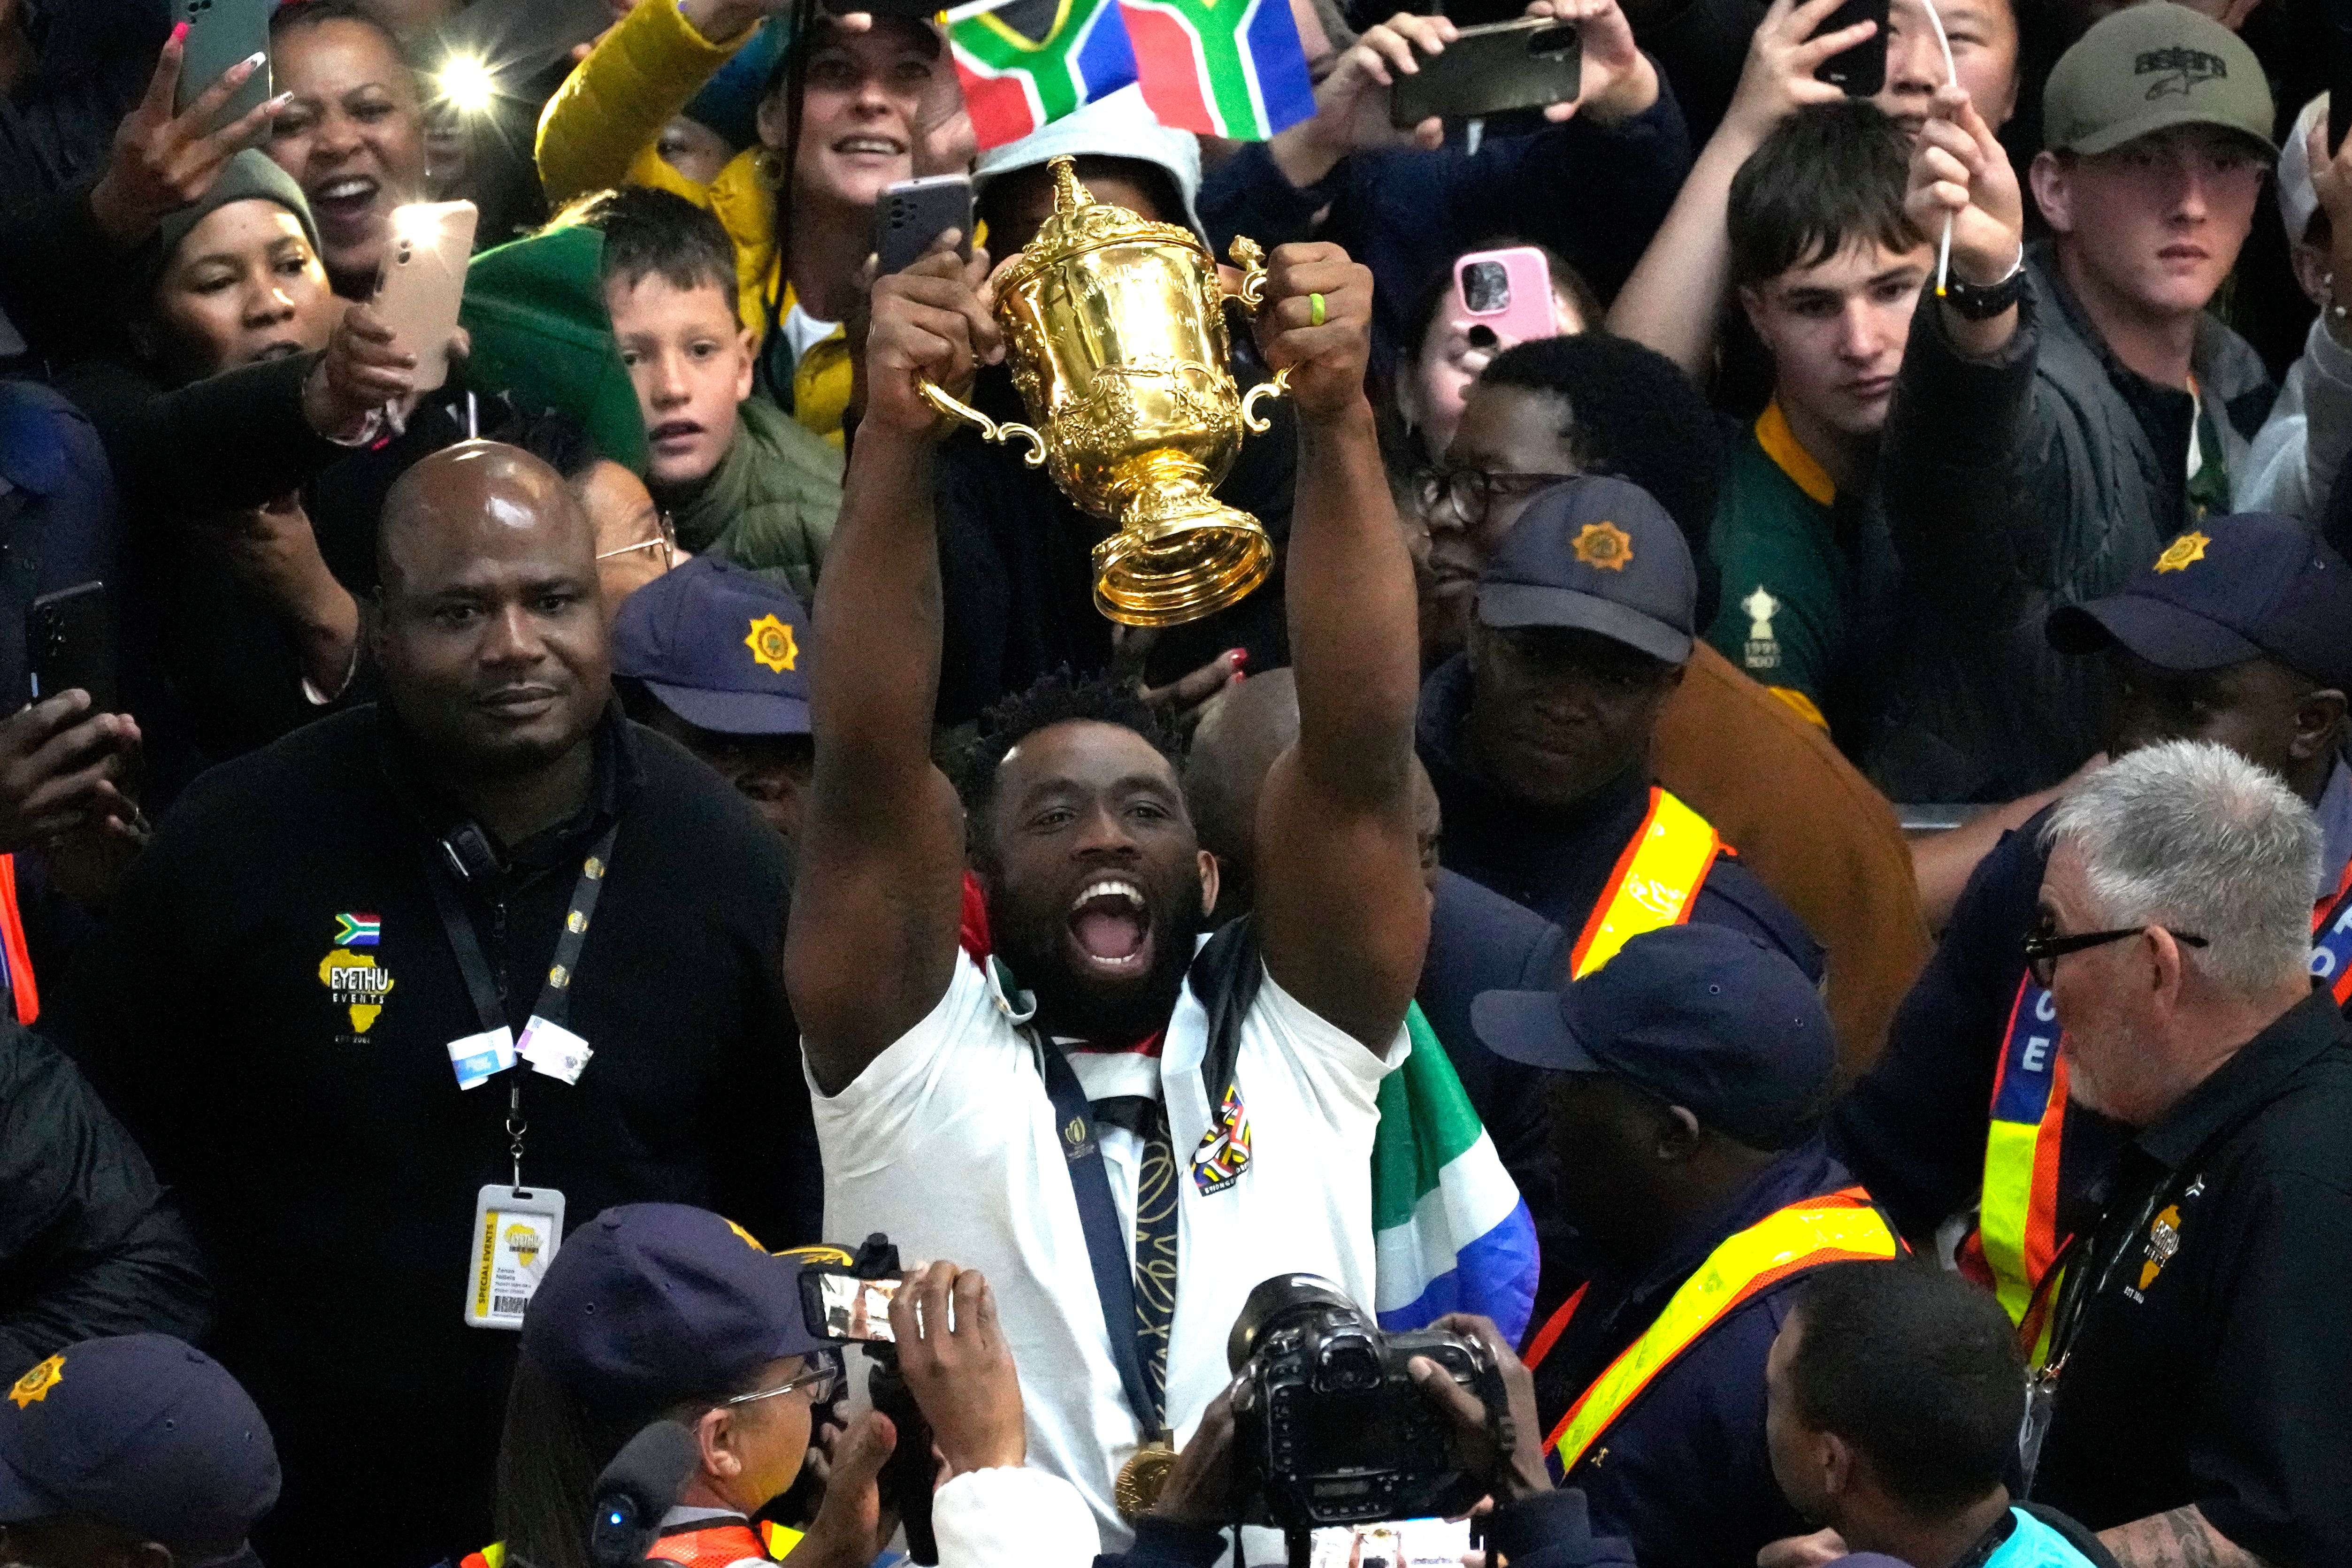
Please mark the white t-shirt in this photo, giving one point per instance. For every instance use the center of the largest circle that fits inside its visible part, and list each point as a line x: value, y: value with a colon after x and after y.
x: 946, y: 1143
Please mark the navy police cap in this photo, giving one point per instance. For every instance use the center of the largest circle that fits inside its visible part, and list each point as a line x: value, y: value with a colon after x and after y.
x: 143, y: 1433
x: 1703, y: 1017
x: 651, y: 1303
x: 720, y: 648
x: 1596, y: 554
x: 2252, y: 586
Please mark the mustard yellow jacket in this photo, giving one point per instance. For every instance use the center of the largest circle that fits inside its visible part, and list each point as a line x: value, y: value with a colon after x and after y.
x: 601, y: 130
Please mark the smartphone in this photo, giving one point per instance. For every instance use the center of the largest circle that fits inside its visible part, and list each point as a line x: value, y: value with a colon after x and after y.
x: 220, y: 34
x: 847, y: 1306
x: 1527, y: 64
x: 69, y: 637
x: 913, y: 213
x: 1862, y: 69
x: 424, y: 282
x: 1507, y: 291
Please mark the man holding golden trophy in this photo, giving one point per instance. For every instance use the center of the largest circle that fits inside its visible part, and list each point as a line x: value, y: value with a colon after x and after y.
x: 962, y: 1101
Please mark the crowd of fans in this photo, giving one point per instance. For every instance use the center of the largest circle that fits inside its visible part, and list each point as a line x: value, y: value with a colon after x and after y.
x: 1757, y: 909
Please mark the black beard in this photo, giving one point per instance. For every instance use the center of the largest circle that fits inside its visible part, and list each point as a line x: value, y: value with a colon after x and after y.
x: 1080, y: 1005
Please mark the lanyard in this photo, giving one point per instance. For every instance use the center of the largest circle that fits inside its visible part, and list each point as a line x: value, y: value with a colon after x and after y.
x: 487, y: 988
x: 1107, y: 1249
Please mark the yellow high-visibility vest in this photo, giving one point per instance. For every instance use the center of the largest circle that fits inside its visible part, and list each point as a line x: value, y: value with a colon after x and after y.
x: 1654, y: 884
x: 1836, y: 1228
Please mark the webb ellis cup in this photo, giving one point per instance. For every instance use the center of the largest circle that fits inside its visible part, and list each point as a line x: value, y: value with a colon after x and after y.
x: 1116, y: 331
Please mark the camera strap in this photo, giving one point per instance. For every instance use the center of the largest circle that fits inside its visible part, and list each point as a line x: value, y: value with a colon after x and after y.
x: 1107, y: 1246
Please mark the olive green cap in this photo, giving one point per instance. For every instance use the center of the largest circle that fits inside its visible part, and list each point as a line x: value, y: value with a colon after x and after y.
x: 2149, y: 68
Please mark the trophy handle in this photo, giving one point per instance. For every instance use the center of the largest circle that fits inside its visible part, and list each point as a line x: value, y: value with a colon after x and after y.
x: 988, y: 429
x: 1279, y: 385
x: 1250, y: 256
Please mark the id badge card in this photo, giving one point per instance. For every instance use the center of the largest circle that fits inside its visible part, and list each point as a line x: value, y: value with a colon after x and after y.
x: 516, y: 1232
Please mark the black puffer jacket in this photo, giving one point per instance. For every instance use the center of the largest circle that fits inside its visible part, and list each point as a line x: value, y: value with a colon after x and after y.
x: 2068, y: 475
x: 90, y: 1245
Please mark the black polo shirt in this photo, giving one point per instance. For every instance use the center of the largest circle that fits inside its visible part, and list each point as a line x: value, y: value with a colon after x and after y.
x: 2211, y: 1364
x: 314, y: 1130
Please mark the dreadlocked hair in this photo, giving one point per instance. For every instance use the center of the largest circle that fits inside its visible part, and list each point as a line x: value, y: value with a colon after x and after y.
x: 1056, y: 698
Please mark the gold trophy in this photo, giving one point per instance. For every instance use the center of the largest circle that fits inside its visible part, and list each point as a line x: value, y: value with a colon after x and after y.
x: 1116, y: 331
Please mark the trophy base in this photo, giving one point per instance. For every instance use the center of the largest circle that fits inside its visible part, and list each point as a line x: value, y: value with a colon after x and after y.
x: 1179, y: 554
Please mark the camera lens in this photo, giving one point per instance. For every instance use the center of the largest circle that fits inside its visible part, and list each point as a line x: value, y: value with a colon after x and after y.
x: 1486, y: 287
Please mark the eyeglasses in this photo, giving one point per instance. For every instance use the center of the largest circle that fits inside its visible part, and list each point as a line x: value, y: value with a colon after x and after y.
x: 2044, y: 946
x: 821, y: 1382
x: 1472, y: 492
x: 665, y: 540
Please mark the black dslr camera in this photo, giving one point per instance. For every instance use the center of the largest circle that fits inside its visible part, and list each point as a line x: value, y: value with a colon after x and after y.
x: 1328, y: 1426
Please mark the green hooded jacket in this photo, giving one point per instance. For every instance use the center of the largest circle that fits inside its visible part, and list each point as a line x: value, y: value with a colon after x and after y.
x: 770, y: 504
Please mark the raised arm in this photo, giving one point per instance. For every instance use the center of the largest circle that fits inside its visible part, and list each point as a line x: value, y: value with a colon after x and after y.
x: 1675, y: 296
x: 641, y: 73
x: 872, y: 942
x: 1342, y: 911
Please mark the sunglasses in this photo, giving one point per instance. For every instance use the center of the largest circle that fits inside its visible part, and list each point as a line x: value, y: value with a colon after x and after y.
x: 2044, y: 946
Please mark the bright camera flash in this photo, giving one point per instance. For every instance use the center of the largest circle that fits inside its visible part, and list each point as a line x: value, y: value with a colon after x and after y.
x: 469, y: 85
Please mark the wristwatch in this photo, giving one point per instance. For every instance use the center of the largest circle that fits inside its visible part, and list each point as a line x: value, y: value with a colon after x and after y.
x: 1975, y: 302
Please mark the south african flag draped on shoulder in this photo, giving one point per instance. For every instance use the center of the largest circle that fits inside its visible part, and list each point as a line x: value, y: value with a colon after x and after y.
x: 1222, y: 67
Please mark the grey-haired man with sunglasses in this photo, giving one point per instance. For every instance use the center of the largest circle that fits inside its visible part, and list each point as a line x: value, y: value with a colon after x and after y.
x: 2241, y: 634
x: 2192, y: 1412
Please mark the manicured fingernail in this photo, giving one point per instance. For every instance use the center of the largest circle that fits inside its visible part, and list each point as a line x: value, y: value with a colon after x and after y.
x: 254, y: 61
x: 1237, y: 680
x: 1237, y: 658
x: 180, y: 33
x: 275, y: 104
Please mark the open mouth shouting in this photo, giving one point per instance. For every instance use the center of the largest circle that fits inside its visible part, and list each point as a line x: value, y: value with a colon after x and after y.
x: 1110, y: 928
x: 345, y: 201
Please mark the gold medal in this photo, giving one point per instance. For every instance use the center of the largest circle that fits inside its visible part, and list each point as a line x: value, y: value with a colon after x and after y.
x: 1143, y: 1478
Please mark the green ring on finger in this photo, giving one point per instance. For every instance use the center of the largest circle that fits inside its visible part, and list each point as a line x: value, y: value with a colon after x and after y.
x: 1315, y: 310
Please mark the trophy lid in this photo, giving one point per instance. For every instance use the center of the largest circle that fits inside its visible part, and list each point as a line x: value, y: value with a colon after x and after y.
x: 1078, y: 222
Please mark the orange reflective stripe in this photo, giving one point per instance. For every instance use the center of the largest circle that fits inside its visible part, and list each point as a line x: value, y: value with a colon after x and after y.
x: 1839, y: 1228
x: 12, y: 937
x: 2331, y: 940
x: 1540, y: 1346
x: 715, y: 1545
x: 2017, y: 1208
x: 1654, y: 884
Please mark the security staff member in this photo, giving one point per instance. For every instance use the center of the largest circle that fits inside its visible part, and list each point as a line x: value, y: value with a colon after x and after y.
x: 2241, y: 634
x: 1683, y: 1081
x: 2196, y: 1385
x: 1537, y: 736
x: 490, y: 880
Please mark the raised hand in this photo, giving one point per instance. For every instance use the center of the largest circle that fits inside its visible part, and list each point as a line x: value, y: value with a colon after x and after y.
x: 931, y: 322
x: 1316, y: 324
x: 1960, y: 170
x: 1777, y: 79
x: 961, y: 1372
x: 1619, y: 79
x: 1351, y: 104
x: 59, y: 765
x: 163, y: 161
x: 363, y: 371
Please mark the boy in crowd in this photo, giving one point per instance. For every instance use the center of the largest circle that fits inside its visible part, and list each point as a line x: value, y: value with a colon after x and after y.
x: 1893, y: 1398
x: 2107, y: 411
x: 1829, y: 270
x: 739, y: 477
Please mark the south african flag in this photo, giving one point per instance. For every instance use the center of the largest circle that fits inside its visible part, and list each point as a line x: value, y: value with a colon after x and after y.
x: 1222, y: 67
x: 1032, y: 61
x: 357, y: 929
